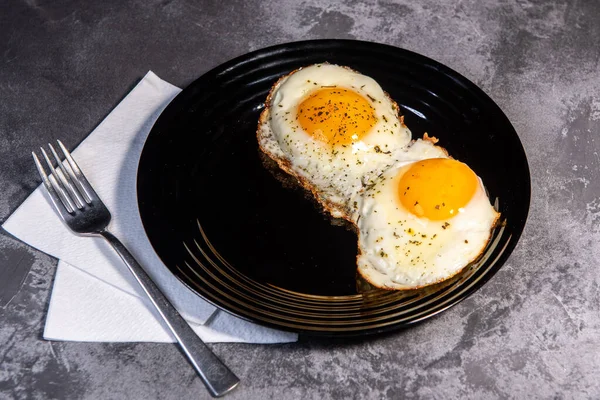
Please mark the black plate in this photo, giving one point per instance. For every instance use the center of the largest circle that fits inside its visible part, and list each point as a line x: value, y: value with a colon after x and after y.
x: 239, y: 235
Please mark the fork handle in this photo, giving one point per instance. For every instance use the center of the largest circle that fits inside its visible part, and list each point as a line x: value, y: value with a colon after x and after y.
x: 218, y: 379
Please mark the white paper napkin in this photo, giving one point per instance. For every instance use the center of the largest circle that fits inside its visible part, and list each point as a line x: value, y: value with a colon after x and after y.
x: 95, y: 297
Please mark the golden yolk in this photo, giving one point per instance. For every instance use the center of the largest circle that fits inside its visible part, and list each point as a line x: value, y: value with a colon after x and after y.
x: 437, y: 188
x: 336, y: 116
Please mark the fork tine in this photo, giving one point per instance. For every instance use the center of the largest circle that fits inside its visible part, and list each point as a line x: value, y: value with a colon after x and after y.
x: 55, y: 182
x: 78, y: 177
x: 65, y: 179
x: 56, y: 196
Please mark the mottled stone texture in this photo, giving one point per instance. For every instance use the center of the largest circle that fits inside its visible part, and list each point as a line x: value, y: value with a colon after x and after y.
x: 532, y: 332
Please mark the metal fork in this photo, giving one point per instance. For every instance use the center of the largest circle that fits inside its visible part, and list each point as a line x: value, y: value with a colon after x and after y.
x: 84, y: 213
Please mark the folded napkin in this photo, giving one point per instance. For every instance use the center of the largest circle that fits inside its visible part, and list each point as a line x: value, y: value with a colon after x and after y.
x: 95, y: 297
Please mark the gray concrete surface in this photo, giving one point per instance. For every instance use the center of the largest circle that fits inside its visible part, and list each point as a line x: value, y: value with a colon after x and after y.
x: 532, y: 332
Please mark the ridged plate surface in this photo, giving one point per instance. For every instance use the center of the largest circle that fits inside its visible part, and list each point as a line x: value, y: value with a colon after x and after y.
x: 234, y: 229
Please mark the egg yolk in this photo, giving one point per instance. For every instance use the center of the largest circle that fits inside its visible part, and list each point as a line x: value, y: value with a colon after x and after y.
x: 336, y: 116
x: 437, y: 188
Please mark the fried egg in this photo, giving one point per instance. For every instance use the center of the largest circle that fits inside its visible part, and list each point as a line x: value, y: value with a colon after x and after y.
x: 422, y: 222
x: 335, y: 130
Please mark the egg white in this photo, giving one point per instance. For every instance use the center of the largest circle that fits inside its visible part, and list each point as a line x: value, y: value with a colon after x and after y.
x: 398, y: 250
x: 337, y: 174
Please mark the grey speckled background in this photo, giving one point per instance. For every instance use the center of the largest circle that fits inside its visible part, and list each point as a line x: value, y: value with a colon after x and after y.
x: 532, y: 331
